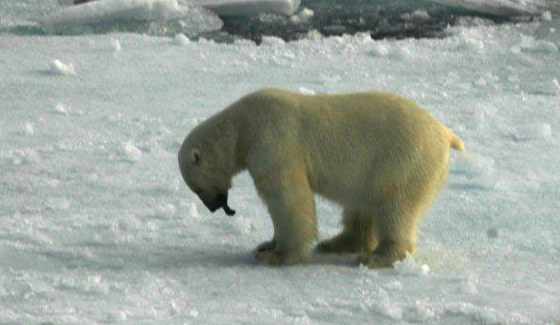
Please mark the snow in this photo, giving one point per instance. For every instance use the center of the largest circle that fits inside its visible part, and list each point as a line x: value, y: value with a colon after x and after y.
x: 97, y: 226
x: 181, y: 39
x: 303, y: 16
x: 58, y: 68
x: 116, y: 44
x: 408, y: 266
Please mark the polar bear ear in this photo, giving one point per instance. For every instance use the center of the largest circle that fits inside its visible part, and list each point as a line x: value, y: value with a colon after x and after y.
x: 195, y: 156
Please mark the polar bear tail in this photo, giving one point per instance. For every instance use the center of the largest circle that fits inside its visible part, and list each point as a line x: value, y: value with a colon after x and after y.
x: 455, y: 142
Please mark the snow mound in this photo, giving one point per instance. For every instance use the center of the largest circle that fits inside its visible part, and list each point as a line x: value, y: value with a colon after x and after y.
x: 531, y: 44
x: 61, y: 109
x: 28, y: 128
x: 58, y: 203
x: 537, y: 131
x: 556, y: 85
x: 421, y: 312
x: 116, y: 45
x: 56, y: 67
x: 181, y: 39
x: 476, y: 167
x: 417, y: 15
x: 193, y: 211
x: 131, y: 152
x: 303, y: 16
x: 306, y: 91
x: 408, y: 266
x: 380, y: 49
x: 272, y: 41
x: 24, y: 156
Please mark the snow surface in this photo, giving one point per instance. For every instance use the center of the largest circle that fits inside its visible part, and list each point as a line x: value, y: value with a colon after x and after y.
x: 96, y: 225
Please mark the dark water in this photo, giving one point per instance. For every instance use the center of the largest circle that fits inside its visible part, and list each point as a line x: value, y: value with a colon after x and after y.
x: 380, y: 18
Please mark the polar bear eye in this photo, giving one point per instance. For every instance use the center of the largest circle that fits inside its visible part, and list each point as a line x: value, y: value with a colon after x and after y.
x: 195, y: 156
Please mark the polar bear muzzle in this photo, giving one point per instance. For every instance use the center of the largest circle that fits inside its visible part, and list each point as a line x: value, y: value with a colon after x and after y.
x: 219, y: 201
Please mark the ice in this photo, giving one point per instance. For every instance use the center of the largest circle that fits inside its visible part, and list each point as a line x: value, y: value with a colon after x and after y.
x: 97, y: 225
x: 164, y: 16
x: 56, y: 67
x: 131, y: 152
x: 417, y: 15
x: 108, y: 10
x: 181, y: 40
x: 501, y: 7
x: 272, y: 41
x: 250, y: 7
x: 196, y: 21
x: 303, y: 16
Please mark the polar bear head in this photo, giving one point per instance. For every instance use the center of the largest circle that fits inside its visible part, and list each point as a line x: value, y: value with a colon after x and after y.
x: 204, y: 161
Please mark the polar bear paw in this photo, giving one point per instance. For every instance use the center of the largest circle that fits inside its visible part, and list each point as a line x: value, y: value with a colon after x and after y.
x: 267, y: 253
x: 266, y: 246
x: 377, y: 261
x: 270, y: 257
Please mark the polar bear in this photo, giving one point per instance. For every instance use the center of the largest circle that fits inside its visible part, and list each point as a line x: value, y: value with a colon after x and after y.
x: 378, y: 155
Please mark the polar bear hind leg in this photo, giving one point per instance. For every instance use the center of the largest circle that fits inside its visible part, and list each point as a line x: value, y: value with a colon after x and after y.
x: 356, y: 236
x: 395, y: 221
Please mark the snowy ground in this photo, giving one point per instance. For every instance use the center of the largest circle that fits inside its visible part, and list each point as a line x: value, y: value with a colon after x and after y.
x: 96, y: 225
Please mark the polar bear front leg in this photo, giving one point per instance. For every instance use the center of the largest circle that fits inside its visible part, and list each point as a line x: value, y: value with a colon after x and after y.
x: 291, y: 205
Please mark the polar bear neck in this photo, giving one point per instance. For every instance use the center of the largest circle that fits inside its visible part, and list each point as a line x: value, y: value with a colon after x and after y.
x: 228, y: 142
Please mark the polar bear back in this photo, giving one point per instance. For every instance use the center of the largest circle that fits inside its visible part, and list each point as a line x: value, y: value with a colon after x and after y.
x: 365, y: 139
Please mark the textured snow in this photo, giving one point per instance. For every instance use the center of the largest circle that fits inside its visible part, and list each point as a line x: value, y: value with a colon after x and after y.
x: 96, y: 225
